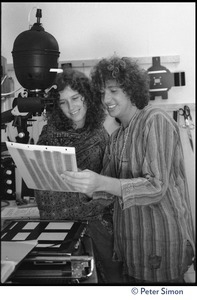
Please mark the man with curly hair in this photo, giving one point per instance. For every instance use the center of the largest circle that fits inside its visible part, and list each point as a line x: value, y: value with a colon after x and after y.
x: 144, y: 176
x: 77, y: 121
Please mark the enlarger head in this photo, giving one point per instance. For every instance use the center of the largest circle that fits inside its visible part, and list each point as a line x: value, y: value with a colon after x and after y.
x: 35, y: 52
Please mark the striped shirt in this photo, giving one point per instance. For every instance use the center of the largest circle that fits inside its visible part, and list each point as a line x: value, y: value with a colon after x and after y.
x: 152, y: 220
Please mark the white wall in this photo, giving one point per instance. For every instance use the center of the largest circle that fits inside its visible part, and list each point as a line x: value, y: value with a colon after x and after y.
x: 92, y: 30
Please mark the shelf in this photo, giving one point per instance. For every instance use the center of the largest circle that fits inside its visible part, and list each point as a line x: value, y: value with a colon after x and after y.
x: 172, y: 106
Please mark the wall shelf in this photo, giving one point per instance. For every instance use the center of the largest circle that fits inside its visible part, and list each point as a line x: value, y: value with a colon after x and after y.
x: 88, y: 63
x: 173, y: 106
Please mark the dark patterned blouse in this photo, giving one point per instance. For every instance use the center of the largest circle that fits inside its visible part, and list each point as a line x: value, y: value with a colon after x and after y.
x: 90, y: 147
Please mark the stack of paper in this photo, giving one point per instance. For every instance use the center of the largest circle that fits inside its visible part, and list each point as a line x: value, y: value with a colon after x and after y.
x: 12, y: 253
x: 20, y: 213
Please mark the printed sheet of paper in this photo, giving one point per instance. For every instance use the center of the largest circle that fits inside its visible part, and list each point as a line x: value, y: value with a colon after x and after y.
x: 41, y: 166
x: 59, y: 225
x: 54, y: 236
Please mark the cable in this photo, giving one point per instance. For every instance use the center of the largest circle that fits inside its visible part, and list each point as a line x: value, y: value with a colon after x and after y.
x: 10, y: 93
x: 29, y: 15
x: 4, y: 79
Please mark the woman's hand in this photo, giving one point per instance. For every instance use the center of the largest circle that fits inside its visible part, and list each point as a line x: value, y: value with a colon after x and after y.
x: 85, y: 181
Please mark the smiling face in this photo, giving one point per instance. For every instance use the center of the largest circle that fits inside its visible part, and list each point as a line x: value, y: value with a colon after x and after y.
x: 73, y: 106
x: 117, y: 102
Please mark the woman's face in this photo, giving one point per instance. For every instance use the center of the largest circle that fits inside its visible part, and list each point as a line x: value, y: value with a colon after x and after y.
x: 116, y: 101
x: 73, y: 106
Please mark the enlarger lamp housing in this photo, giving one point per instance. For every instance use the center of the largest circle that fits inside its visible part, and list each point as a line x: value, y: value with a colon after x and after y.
x: 35, y: 52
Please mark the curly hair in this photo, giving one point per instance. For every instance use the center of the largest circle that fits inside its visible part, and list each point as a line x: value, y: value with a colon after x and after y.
x: 133, y: 80
x: 79, y: 82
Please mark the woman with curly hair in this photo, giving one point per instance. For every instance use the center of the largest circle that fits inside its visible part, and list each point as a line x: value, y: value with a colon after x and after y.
x: 77, y: 121
x: 144, y: 176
